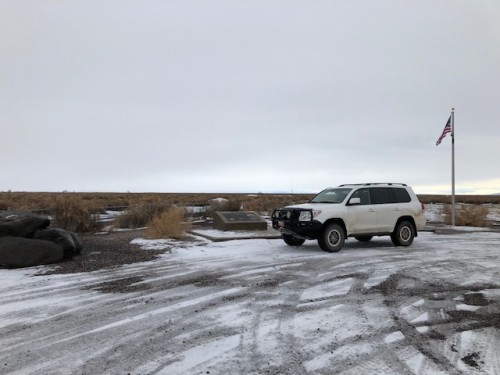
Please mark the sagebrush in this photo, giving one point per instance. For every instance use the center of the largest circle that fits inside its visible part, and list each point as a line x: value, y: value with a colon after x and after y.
x: 170, y: 224
x: 73, y: 214
x: 12, y: 200
x: 469, y: 215
x: 139, y: 216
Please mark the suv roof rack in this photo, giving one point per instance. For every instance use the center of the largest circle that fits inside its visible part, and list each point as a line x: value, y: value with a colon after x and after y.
x: 375, y: 183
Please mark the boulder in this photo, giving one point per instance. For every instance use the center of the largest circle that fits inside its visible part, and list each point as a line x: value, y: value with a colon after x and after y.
x: 68, y: 240
x: 26, y: 240
x: 78, y: 244
x: 22, y: 226
x: 16, y: 252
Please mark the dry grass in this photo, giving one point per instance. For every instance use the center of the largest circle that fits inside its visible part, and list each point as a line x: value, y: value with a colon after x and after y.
x: 470, y: 199
x: 467, y: 215
x: 143, y: 207
x: 170, y: 224
x: 44, y: 200
x: 257, y: 202
x: 74, y: 214
x: 140, y: 216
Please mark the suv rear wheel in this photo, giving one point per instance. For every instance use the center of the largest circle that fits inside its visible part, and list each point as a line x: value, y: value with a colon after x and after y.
x: 404, y: 234
x: 332, y: 238
x: 291, y: 240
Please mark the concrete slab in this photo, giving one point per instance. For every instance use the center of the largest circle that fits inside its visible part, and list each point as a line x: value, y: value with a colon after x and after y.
x: 238, y: 220
x: 216, y: 235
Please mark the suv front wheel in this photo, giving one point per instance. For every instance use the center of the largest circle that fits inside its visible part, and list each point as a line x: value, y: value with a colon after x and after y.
x: 332, y: 238
x: 404, y: 234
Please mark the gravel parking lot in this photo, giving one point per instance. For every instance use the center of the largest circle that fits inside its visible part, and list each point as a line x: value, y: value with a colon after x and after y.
x: 257, y: 306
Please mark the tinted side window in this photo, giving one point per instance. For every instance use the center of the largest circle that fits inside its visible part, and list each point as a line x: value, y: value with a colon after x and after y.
x: 401, y: 195
x: 381, y: 195
x: 363, y: 195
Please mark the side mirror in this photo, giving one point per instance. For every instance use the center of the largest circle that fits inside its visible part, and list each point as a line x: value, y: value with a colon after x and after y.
x: 354, y: 201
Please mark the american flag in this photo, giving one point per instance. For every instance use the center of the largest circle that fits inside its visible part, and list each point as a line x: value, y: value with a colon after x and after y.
x: 446, y: 130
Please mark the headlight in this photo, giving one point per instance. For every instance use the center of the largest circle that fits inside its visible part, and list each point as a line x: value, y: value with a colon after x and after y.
x: 305, y: 216
x: 288, y: 214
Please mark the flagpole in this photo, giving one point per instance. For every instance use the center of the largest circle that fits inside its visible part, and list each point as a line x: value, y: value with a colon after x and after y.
x: 453, y: 166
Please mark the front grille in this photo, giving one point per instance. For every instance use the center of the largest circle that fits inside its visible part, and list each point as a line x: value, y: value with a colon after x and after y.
x: 285, y: 214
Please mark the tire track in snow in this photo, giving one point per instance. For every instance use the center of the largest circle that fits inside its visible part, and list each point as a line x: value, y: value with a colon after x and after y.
x: 343, y: 323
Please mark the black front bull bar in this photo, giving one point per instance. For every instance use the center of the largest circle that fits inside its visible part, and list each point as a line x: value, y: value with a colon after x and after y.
x: 295, y: 222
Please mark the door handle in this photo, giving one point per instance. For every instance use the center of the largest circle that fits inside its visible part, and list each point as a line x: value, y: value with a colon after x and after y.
x: 371, y: 210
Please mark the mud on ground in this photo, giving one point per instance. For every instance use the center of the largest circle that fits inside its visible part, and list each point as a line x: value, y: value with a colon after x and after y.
x: 105, y: 250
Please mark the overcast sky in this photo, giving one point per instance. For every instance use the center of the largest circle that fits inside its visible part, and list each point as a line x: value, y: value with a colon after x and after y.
x: 248, y: 96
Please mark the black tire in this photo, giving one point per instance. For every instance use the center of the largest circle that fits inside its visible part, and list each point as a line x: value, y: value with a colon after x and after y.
x: 332, y: 238
x: 291, y: 240
x: 363, y: 238
x: 404, y: 234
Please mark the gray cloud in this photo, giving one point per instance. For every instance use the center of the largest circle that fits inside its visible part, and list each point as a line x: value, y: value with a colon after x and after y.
x: 246, y: 96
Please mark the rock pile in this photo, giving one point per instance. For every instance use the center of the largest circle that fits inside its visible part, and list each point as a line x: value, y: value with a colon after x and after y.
x: 26, y: 241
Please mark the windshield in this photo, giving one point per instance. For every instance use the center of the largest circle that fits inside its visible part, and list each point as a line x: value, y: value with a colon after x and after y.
x: 335, y: 195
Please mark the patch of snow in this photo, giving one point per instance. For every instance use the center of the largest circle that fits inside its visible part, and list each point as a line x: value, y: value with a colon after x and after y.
x: 109, y: 215
x: 485, y: 343
x: 211, y: 351
x: 413, y: 310
x: 223, y: 234
x: 471, y: 229
x: 376, y: 279
x: 434, y: 212
x: 326, y: 290
x: 162, y: 310
x: 418, y: 363
x: 421, y: 318
x: 490, y: 293
x: 326, y: 360
x: 423, y: 329
x: 219, y: 200
x: 393, y: 337
x: 158, y: 244
x: 420, y: 302
x: 405, y: 310
x: 464, y: 307
x: 16, y: 277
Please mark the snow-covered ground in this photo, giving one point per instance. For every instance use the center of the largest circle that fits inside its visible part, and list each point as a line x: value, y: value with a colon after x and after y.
x: 257, y: 306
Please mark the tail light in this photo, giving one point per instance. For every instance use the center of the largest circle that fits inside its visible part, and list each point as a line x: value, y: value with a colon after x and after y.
x: 423, y: 207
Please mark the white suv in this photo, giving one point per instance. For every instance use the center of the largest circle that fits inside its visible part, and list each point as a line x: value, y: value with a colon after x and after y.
x: 358, y: 210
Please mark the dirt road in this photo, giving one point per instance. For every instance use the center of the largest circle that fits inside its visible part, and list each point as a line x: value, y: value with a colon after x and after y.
x: 261, y: 307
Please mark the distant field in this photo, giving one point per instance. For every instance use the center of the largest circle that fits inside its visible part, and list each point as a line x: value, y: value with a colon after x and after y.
x: 471, y: 199
x: 44, y: 200
x: 254, y: 202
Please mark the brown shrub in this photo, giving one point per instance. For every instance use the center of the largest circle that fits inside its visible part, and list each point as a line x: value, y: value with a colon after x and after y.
x: 140, y: 216
x: 471, y: 199
x: 470, y: 215
x: 44, y: 200
x: 170, y: 224
x: 73, y: 214
x: 3, y: 205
